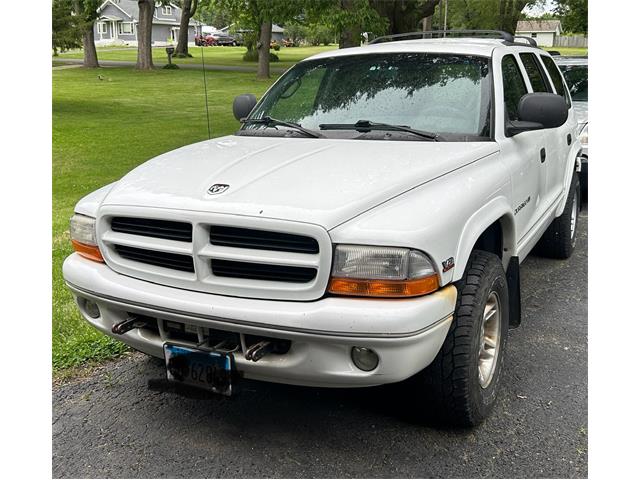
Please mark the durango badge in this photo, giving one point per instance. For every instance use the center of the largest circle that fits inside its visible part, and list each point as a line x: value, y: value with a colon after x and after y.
x: 218, y: 188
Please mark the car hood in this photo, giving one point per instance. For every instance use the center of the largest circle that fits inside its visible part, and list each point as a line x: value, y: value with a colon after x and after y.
x: 321, y: 181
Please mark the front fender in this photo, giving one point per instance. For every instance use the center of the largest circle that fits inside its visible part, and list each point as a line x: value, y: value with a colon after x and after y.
x: 89, y: 204
x: 440, y: 217
x: 498, y: 209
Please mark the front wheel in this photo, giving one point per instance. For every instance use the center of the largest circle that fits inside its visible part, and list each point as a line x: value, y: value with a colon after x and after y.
x: 461, y: 385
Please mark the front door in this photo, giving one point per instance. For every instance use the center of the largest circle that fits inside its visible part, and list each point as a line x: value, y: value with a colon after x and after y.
x: 522, y: 153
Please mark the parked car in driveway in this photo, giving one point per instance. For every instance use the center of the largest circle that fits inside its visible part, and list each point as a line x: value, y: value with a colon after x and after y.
x: 365, y: 225
x: 224, y: 40
x: 576, y: 74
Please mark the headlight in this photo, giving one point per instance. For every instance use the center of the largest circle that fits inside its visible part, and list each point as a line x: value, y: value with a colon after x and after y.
x: 83, y: 237
x: 584, y: 135
x: 381, y: 272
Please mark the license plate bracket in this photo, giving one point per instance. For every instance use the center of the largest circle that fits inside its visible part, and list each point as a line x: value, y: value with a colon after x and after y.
x: 211, y: 370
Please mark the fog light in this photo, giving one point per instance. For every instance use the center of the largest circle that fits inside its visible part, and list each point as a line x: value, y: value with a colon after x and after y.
x: 91, y: 308
x: 364, y: 358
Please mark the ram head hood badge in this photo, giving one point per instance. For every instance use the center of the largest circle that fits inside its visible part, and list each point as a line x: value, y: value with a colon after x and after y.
x: 218, y: 188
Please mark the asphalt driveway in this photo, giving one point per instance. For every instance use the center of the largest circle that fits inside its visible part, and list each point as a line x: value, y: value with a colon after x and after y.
x: 124, y: 422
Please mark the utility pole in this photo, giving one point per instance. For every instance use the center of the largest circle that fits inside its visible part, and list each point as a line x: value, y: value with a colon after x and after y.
x: 446, y: 5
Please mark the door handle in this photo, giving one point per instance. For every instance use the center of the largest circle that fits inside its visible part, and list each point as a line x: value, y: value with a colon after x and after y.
x: 543, y: 155
x: 569, y: 139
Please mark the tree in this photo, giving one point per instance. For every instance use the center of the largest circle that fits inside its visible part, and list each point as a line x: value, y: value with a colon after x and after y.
x: 65, y: 28
x: 258, y: 17
x: 487, y: 14
x: 574, y: 15
x: 404, y: 15
x: 349, y: 19
x: 146, y: 9
x: 87, y: 13
x: 210, y: 13
x: 72, y: 27
x: 189, y: 8
x: 296, y: 33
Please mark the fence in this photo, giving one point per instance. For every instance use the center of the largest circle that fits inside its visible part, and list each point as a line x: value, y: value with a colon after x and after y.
x: 571, y: 41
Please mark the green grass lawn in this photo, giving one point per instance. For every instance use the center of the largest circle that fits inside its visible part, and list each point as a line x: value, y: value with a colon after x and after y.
x: 101, y: 130
x: 568, y: 51
x: 231, y: 56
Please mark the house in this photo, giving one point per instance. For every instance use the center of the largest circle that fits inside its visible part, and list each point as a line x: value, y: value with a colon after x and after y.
x: 277, y: 33
x: 117, y: 24
x: 544, y: 32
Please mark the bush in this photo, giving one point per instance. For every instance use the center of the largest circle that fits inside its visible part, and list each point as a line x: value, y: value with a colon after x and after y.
x: 252, y: 56
x: 276, y: 47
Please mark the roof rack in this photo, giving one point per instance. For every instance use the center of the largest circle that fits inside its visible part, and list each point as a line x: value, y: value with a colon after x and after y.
x: 507, y: 37
x: 531, y: 41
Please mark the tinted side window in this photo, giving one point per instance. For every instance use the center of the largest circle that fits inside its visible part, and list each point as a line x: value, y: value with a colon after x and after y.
x: 534, y: 72
x: 556, y: 78
x: 514, y: 87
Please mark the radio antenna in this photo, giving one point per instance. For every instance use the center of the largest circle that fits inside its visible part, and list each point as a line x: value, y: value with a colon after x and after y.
x: 206, y: 98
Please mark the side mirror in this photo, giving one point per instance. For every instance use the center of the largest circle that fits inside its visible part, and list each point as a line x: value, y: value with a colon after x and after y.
x: 242, y: 105
x: 537, y: 111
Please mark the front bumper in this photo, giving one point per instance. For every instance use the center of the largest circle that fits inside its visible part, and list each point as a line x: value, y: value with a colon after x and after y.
x: 406, y: 334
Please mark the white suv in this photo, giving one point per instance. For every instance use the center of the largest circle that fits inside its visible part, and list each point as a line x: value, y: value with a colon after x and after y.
x: 365, y: 225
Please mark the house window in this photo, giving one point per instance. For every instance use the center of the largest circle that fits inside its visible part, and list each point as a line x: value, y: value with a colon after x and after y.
x: 125, y: 28
x: 102, y: 27
x: 166, y: 10
x: 534, y: 35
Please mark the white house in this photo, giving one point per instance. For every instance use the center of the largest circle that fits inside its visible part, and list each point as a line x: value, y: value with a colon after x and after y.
x: 544, y: 32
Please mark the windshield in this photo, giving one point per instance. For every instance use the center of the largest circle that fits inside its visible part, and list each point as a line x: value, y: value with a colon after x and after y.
x: 577, y: 78
x: 446, y: 94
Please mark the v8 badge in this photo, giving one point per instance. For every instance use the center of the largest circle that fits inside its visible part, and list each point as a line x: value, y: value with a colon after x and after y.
x: 448, y: 264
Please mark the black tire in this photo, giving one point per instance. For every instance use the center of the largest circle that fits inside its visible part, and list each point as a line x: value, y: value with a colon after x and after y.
x: 451, y: 384
x: 559, y: 240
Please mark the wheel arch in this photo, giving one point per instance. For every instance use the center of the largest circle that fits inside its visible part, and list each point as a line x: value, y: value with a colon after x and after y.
x: 573, y: 165
x: 492, y: 229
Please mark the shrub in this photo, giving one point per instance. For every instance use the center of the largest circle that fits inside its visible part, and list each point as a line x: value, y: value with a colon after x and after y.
x: 252, y: 56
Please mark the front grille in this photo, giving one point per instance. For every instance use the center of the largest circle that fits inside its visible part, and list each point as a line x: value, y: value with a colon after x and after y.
x: 173, y: 261
x: 260, y: 271
x: 262, y: 240
x: 221, y: 254
x: 169, y: 230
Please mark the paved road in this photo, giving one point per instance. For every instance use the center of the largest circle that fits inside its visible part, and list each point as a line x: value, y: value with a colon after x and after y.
x: 185, y: 66
x: 119, y: 423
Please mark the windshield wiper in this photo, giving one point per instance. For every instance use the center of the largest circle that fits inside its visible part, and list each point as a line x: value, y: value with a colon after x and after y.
x: 274, y: 122
x: 365, y: 126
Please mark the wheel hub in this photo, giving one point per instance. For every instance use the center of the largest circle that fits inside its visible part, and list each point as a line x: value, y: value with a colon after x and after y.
x: 489, y: 340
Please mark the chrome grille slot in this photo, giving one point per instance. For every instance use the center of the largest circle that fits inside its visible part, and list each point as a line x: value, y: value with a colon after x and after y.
x: 147, y: 227
x: 259, y: 271
x: 172, y: 261
x: 262, y: 240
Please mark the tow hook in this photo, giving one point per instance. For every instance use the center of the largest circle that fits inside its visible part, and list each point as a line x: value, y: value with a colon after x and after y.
x: 259, y: 350
x: 129, y: 324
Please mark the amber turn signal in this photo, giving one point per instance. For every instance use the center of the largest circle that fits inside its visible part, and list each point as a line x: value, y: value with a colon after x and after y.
x: 92, y: 252
x: 383, y: 288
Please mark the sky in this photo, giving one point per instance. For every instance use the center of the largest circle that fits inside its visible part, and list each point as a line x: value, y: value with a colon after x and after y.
x: 546, y: 6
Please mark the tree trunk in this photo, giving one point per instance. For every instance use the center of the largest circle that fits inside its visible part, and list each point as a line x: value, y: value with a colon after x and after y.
x: 188, y: 10
x: 349, y: 35
x: 145, y: 60
x: 264, y: 45
x: 89, y: 48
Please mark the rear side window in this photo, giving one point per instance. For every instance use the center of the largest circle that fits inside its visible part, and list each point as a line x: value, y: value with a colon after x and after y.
x: 556, y: 78
x: 514, y: 86
x: 536, y: 76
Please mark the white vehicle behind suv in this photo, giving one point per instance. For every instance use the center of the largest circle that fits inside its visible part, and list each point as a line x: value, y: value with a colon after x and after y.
x: 365, y: 225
